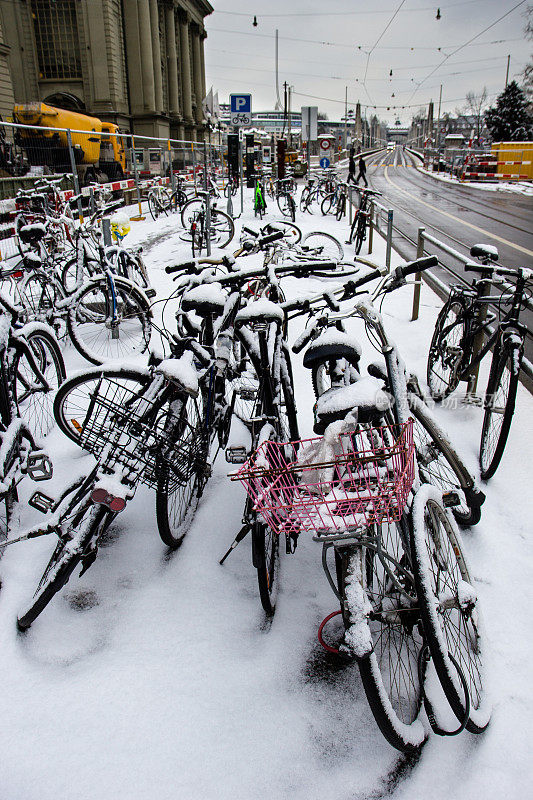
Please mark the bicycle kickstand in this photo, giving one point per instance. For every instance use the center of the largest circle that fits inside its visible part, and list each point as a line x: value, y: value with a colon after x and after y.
x: 240, y: 536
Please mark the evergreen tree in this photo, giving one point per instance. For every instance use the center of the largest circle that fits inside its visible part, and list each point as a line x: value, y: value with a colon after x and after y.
x: 509, y: 120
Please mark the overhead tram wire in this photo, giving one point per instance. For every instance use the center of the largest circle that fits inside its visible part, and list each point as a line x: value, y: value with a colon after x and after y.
x: 343, y: 13
x: 466, y: 44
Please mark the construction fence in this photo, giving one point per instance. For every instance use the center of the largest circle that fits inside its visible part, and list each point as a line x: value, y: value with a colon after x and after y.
x: 507, y: 161
x: 82, y: 160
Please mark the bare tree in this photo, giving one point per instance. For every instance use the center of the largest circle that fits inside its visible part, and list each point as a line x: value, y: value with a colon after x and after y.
x: 475, y: 105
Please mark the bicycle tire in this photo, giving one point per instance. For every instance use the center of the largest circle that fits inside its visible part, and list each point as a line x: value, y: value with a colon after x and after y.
x: 69, y: 273
x: 73, y: 397
x: 330, y: 249
x: 441, y: 465
x: 222, y: 228
x: 178, y: 198
x: 39, y: 297
x: 36, y: 406
x: 88, y: 321
x: 305, y: 200
x: 341, y: 207
x: 292, y: 235
x: 389, y: 672
x: 500, y: 400
x: 328, y: 205
x: 176, y: 503
x: 62, y: 564
x: 448, y: 606
x: 360, y: 234
x: 446, y: 351
x: 195, y: 204
x: 265, y: 556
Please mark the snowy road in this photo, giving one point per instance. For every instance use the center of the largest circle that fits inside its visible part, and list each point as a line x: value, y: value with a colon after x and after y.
x: 156, y: 675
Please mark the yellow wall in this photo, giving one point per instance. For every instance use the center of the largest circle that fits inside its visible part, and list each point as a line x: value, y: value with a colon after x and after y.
x: 514, y: 151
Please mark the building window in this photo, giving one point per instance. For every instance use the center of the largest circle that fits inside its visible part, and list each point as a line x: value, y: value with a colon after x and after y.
x: 56, y: 39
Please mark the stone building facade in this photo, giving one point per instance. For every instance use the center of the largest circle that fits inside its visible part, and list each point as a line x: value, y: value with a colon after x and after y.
x: 139, y: 63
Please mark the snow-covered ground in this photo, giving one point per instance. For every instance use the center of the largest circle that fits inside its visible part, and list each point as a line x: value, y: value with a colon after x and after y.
x: 156, y: 676
x: 518, y: 187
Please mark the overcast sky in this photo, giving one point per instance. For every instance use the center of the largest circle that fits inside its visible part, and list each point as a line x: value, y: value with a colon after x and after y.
x: 349, y: 45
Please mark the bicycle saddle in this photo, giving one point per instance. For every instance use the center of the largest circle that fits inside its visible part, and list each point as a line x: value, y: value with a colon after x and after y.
x: 332, y: 344
x: 261, y: 310
x: 31, y: 234
x: 365, y: 395
x: 204, y: 300
x: 486, y: 251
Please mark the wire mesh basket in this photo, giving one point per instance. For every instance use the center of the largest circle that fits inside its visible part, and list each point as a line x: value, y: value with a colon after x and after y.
x: 331, y: 487
x: 142, y: 439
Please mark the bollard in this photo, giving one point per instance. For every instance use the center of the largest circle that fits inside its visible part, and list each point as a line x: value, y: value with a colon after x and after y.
x: 389, y: 238
x: 418, y: 276
x: 208, y: 223
x: 229, y: 207
x: 350, y: 199
x: 74, y: 175
x: 194, y: 167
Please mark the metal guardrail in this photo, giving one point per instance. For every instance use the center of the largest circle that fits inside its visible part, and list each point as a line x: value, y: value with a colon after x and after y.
x: 376, y: 211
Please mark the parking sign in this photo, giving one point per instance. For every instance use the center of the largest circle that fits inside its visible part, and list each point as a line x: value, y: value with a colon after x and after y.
x: 240, y: 109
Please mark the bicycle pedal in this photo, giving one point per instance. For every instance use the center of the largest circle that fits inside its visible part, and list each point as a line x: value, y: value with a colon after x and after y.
x: 41, y: 502
x: 450, y: 499
x: 236, y: 454
x: 39, y: 467
x: 472, y: 400
x: 247, y: 394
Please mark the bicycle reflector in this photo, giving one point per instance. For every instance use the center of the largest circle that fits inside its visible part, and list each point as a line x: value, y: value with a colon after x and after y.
x: 115, y: 504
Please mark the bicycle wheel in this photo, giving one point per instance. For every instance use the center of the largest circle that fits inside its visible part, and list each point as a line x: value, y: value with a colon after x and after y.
x: 305, y: 200
x: 188, y: 211
x: 34, y: 402
x: 68, y: 276
x: 109, y: 320
x: 181, y: 476
x: 500, y: 399
x: 340, y: 207
x: 449, y: 606
x: 222, y: 228
x: 178, y: 198
x: 329, y: 204
x: 265, y: 557
x: 292, y: 233
x: 323, y: 246
x: 64, y: 560
x: 287, y: 206
x: 446, y: 351
x: 74, y: 396
x: 39, y: 296
x: 388, y: 660
x: 440, y: 464
x: 360, y: 233
x: 158, y: 203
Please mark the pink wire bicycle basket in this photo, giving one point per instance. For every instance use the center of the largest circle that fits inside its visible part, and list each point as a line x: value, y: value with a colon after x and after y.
x: 364, y: 479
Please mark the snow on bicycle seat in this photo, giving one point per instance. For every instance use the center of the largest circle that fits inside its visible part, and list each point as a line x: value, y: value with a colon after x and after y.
x: 204, y: 300
x: 181, y: 372
x: 364, y: 395
x: 332, y: 344
x: 261, y: 310
x: 32, y: 233
x: 484, y: 251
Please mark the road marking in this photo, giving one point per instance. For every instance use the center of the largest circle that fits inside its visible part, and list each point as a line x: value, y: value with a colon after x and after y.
x: 458, y: 219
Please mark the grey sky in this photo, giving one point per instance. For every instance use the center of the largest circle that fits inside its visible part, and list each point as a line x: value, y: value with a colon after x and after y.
x: 240, y: 57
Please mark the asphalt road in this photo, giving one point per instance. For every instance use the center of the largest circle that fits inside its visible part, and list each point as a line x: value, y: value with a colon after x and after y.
x: 459, y: 215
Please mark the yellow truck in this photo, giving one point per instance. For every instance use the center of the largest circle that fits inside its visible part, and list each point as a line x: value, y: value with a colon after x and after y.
x: 98, y: 146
